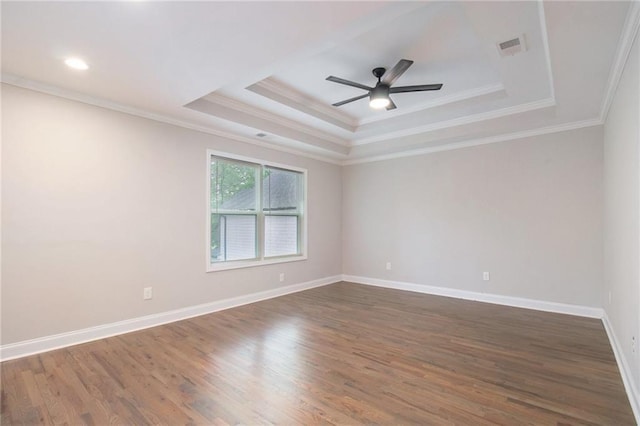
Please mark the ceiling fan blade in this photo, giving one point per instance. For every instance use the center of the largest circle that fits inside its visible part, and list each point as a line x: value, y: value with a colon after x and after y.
x: 348, y: 83
x: 391, y: 105
x: 419, y: 88
x: 350, y: 100
x: 394, y: 73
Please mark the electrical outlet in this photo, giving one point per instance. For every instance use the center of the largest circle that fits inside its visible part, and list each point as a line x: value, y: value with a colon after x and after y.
x: 281, y: 277
x: 485, y: 276
x: 388, y: 266
x: 633, y: 345
x: 147, y: 293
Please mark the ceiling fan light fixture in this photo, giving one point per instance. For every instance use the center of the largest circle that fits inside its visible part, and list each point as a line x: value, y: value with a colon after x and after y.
x: 379, y: 97
x: 379, y: 103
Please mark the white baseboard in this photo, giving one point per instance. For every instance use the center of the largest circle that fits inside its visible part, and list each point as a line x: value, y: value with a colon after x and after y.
x: 57, y: 341
x: 518, y: 302
x: 627, y: 377
x: 48, y: 343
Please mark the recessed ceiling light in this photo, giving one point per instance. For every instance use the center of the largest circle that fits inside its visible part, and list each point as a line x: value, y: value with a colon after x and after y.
x: 76, y: 64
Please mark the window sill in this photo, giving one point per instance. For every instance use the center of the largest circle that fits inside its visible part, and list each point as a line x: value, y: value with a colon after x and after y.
x: 213, y: 267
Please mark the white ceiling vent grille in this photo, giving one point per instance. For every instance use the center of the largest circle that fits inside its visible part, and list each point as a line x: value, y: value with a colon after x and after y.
x: 512, y: 46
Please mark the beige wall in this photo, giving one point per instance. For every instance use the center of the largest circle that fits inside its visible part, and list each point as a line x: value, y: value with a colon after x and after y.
x: 622, y: 212
x: 528, y: 211
x: 98, y: 204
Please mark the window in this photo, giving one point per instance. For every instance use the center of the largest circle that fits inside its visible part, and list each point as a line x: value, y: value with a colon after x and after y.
x: 255, y: 212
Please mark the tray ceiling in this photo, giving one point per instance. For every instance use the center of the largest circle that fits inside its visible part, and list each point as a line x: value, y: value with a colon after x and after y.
x: 240, y: 69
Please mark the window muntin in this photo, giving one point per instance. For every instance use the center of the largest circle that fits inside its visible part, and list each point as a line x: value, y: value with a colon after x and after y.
x: 256, y: 212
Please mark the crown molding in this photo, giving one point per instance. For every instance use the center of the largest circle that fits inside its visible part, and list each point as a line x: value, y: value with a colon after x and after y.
x: 461, y: 121
x: 475, y: 142
x: 332, y: 158
x: 236, y: 105
x: 286, y: 95
x: 275, y: 132
x: 13, y: 80
x: 627, y: 37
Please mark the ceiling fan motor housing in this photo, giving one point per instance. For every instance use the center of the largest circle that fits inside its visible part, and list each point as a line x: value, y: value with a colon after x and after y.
x: 379, y: 97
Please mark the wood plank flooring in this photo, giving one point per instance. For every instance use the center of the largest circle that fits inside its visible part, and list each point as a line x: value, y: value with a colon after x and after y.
x: 340, y: 354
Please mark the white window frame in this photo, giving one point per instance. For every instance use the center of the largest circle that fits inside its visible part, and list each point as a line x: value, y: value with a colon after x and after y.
x: 260, y: 260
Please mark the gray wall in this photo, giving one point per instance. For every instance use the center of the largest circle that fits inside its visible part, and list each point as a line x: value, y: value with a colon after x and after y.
x: 622, y: 213
x: 528, y: 211
x: 97, y: 205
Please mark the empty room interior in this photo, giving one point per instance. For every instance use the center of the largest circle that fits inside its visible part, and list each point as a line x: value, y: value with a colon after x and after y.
x: 303, y: 213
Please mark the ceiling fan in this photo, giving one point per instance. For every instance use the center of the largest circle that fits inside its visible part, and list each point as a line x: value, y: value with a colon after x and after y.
x: 379, y: 95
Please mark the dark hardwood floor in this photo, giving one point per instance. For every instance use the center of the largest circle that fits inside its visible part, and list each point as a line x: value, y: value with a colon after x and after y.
x: 340, y: 354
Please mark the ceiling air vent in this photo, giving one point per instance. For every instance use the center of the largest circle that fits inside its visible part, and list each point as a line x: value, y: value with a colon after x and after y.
x: 513, y: 46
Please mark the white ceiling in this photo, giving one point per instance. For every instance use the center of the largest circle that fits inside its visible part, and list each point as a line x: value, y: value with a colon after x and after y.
x: 242, y: 68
